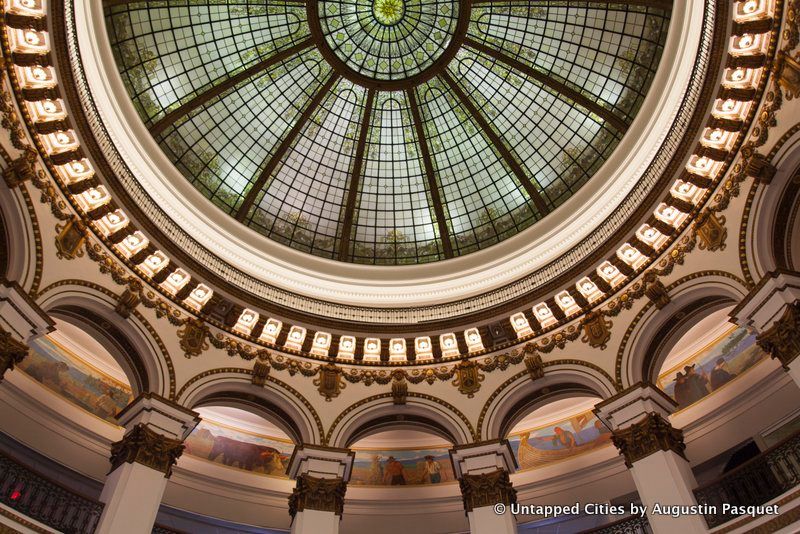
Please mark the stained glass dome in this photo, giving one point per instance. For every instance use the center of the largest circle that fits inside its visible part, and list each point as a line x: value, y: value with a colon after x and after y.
x: 387, y: 131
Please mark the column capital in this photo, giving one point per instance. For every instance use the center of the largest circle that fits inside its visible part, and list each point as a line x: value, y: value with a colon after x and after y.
x: 11, y: 352
x: 634, y: 404
x: 321, y: 462
x: 767, y: 301
x: 147, y: 447
x: 782, y: 339
x: 652, y: 434
x: 487, y: 489
x: 160, y: 415
x: 20, y: 315
x: 318, y: 493
x: 483, y: 457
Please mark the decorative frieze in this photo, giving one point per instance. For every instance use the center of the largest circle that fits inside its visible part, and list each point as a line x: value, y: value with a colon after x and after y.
x: 12, y: 352
x: 782, y: 339
x: 650, y: 435
x: 322, y: 494
x: 147, y: 447
x: 487, y: 489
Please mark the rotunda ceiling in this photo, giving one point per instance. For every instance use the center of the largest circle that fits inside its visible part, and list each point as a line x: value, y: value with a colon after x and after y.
x: 387, y: 131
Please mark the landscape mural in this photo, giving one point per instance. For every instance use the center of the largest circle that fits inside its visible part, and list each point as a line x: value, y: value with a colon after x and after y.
x: 558, y: 441
x: 236, y: 448
x: 63, y: 372
x: 710, y: 369
x: 402, y: 467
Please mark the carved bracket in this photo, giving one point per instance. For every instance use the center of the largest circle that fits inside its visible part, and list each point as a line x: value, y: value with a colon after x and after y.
x: 535, y: 367
x: 260, y: 372
x: 657, y: 293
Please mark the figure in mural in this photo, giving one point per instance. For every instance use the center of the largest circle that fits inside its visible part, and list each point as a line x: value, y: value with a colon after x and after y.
x: 555, y: 442
x: 719, y: 375
x: 376, y: 470
x: 249, y: 456
x: 433, y: 470
x: 395, y: 472
x: 696, y: 383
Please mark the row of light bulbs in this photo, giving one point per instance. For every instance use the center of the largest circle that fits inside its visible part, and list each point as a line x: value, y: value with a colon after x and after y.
x: 32, y: 41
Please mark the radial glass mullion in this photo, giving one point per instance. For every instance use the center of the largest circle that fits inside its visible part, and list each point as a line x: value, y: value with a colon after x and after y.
x: 484, y: 199
x: 169, y: 53
x: 394, y: 222
x: 222, y: 146
x: 609, y: 53
x: 558, y: 143
x: 302, y: 204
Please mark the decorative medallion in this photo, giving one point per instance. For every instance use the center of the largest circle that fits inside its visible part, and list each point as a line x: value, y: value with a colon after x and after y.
x: 330, y: 382
x: 147, y: 447
x: 323, y: 494
x: 193, y: 337
x: 487, y: 489
x: 711, y: 231
x: 650, y: 435
x: 782, y: 340
x: 468, y: 378
x: 70, y: 239
x: 596, y: 329
x: 385, y: 40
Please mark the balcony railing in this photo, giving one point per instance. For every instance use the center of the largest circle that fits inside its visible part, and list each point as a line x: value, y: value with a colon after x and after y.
x: 46, y: 501
x: 755, y: 482
x: 628, y: 525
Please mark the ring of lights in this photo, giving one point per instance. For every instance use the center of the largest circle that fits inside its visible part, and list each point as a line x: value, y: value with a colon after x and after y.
x: 388, y: 44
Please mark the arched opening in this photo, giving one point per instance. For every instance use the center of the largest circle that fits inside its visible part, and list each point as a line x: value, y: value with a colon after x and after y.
x: 241, y: 439
x: 402, y: 455
x: 704, y: 359
x: 73, y: 364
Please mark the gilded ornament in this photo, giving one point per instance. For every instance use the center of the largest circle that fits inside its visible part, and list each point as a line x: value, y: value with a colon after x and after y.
x: 147, y: 447
x: 535, y: 367
x: 315, y: 493
x: 596, y: 329
x: 782, y: 339
x: 12, y: 352
x: 21, y: 169
x: 329, y: 382
x: 129, y: 299
x: 70, y: 239
x: 788, y: 74
x: 487, y: 489
x: 399, y: 389
x: 710, y: 230
x: 468, y: 378
x: 193, y: 337
x: 648, y: 436
x: 260, y: 372
x: 657, y: 293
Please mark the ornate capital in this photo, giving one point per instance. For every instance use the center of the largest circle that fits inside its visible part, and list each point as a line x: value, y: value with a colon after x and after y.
x: 487, y: 489
x: 323, y: 494
x: 147, y: 447
x: 11, y: 352
x: 652, y: 434
x: 782, y: 339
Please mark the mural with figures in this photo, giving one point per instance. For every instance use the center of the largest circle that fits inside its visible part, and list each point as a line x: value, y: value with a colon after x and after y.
x: 63, y: 372
x: 236, y: 448
x: 710, y: 369
x: 402, y: 467
x: 559, y: 440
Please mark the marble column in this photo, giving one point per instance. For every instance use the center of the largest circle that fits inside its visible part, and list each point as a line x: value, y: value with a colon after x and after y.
x: 21, y: 320
x: 483, y: 472
x: 141, y: 463
x: 772, y: 309
x: 654, y: 452
x: 317, y: 502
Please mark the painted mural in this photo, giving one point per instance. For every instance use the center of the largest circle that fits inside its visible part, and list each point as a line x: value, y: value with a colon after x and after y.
x: 559, y: 441
x: 63, y: 372
x: 710, y: 369
x: 236, y: 448
x: 402, y: 467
